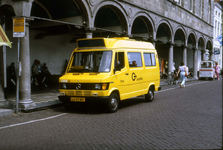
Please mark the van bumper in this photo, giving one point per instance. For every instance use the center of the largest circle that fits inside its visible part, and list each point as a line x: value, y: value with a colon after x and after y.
x: 67, y: 99
x: 159, y: 88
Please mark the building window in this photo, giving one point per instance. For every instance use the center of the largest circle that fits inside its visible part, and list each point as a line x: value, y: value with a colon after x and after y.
x: 209, y: 11
x: 218, y: 29
x: 201, y: 8
x: 191, y: 5
x: 215, y: 31
x: 135, y: 59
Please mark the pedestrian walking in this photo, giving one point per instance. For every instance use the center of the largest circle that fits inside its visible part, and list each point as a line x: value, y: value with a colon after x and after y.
x: 183, y: 72
x: 217, y: 70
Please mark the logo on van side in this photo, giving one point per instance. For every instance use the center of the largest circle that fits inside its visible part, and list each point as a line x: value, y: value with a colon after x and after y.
x: 134, y: 76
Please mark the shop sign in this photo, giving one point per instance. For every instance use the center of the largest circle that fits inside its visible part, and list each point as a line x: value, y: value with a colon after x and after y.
x: 216, y: 52
x: 18, y: 27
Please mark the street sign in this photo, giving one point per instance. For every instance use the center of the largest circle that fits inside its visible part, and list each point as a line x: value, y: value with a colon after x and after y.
x: 216, y: 52
x: 18, y: 27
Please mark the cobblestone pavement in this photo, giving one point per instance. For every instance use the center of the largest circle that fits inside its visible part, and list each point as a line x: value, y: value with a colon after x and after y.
x: 178, y: 118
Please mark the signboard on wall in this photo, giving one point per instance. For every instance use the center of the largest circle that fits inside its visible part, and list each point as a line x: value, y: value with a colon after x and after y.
x: 216, y: 52
x: 18, y: 27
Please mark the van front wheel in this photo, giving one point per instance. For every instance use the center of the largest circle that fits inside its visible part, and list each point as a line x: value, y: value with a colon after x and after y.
x: 150, y: 95
x: 113, y: 103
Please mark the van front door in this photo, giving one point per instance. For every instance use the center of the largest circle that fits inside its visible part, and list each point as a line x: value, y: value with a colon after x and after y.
x: 135, y: 74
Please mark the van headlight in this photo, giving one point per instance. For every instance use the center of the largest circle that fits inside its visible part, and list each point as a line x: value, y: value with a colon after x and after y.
x: 97, y: 86
x: 103, y: 86
x: 63, y: 85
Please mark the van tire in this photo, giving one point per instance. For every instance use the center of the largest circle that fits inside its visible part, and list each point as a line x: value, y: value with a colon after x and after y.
x: 113, y: 103
x: 150, y: 95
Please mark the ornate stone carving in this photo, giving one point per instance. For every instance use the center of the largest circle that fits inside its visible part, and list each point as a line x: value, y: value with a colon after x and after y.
x: 91, y: 2
x: 130, y: 12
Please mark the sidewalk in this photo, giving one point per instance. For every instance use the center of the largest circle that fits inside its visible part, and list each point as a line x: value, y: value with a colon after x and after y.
x: 48, y: 98
x: 43, y: 98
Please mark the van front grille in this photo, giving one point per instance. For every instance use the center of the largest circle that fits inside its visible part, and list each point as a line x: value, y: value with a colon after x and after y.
x: 79, y: 93
x: 87, y: 93
x: 71, y: 93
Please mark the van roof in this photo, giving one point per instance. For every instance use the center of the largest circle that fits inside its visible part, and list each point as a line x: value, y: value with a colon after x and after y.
x: 120, y: 42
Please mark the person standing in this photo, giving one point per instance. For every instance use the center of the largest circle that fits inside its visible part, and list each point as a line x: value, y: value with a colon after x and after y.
x: 46, y: 75
x: 11, y: 77
x: 36, y: 73
x: 182, y: 69
x: 217, y: 70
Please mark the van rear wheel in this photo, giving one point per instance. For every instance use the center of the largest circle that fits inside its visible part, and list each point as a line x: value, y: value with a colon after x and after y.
x: 150, y: 95
x: 113, y: 103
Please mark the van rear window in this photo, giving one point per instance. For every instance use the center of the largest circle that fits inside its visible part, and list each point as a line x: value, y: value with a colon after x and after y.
x: 91, y: 43
x: 149, y: 59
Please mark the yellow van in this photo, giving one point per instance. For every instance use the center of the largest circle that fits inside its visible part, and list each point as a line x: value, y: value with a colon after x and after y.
x: 110, y: 70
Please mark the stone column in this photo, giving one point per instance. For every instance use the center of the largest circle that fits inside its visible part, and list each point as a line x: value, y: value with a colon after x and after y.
x: 89, y: 34
x: 212, y: 54
x: 195, y: 50
x: 154, y: 42
x: 25, y: 101
x: 170, y: 59
x: 185, y: 55
x: 2, y: 93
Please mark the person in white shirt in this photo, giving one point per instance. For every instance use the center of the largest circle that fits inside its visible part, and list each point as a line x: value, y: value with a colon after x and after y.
x: 182, y: 69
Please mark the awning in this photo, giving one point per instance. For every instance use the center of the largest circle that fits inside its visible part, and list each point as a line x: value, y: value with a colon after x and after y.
x: 4, y: 39
x: 219, y: 39
x: 217, y: 44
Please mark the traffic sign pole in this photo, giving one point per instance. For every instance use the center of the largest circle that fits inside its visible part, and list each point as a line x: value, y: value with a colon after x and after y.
x: 18, y: 31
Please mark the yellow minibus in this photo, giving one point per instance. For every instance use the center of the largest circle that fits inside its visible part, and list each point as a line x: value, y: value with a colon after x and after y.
x: 110, y: 70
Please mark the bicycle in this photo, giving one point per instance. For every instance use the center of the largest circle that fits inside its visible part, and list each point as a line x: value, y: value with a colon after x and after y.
x: 171, y: 78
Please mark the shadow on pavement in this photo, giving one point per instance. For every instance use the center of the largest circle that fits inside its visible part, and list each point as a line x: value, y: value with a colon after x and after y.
x: 97, y: 108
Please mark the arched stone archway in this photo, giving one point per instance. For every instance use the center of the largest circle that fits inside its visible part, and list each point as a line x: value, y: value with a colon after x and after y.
x: 164, y: 33
x: 164, y: 47
x: 109, y: 22
x: 142, y: 28
x: 209, y: 47
x: 201, y: 48
x: 67, y: 12
x: 6, y: 14
x: 191, y: 50
x: 180, y: 51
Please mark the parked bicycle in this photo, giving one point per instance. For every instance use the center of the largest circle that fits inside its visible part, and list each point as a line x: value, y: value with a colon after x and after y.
x: 172, y: 78
x: 190, y: 73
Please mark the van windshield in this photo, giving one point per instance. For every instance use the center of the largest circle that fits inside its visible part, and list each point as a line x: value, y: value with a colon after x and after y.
x: 207, y: 65
x: 97, y: 61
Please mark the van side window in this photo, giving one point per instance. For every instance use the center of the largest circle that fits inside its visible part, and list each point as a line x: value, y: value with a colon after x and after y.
x: 149, y: 59
x: 134, y: 59
x: 119, y: 60
x: 153, y: 59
